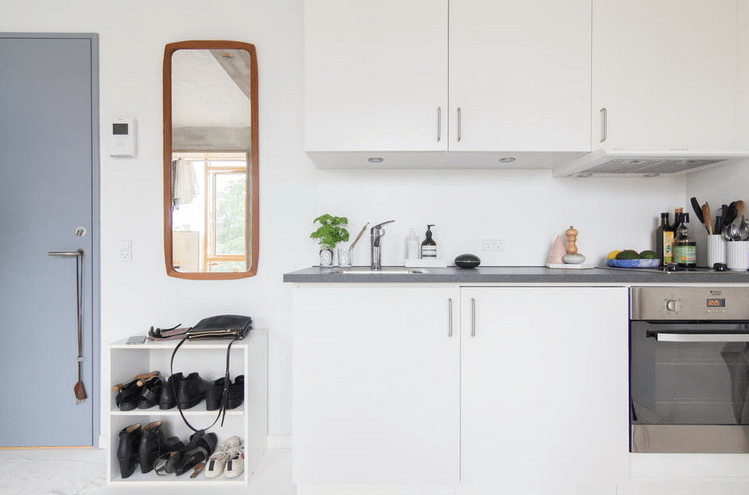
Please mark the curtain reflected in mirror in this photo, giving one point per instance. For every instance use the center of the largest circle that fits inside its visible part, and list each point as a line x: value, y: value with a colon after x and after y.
x: 210, y: 159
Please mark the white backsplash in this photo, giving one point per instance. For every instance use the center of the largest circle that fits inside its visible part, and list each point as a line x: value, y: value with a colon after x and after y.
x: 525, y: 209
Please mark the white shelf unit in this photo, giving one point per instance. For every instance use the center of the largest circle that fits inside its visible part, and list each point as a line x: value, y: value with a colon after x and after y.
x: 249, y: 357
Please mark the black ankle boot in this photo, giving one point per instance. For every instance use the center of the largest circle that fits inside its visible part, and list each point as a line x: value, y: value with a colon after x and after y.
x: 191, y: 390
x: 127, y: 451
x: 168, y: 397
x: 152, y: 445
x: 215, y: 394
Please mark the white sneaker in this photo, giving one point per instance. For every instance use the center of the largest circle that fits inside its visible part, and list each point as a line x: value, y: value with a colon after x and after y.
x: 235, y: 464
x: 216, y: 463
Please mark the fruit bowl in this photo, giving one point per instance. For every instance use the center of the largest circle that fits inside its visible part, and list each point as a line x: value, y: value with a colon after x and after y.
x: 646, y: 263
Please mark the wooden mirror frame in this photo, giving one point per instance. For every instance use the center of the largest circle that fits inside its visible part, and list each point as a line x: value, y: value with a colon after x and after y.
x: 252, y: 162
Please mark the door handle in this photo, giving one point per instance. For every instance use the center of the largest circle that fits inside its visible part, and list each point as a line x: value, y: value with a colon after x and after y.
x: 450, y: 317
x: 78, y: 253
x: 604, y: 124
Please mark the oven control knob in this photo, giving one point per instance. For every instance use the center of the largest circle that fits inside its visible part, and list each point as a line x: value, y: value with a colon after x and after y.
x: 673, y: 305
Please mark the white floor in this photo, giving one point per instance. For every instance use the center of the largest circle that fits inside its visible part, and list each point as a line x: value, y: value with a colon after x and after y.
x: 83, y: 472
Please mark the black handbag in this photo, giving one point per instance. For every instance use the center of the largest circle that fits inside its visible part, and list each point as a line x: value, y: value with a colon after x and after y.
x: 232, y: 327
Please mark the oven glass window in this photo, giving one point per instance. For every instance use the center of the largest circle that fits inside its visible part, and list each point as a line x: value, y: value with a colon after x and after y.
x: 689, y: 374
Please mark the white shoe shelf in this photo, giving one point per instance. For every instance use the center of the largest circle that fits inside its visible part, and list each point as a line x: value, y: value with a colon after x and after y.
x: 249, y: 357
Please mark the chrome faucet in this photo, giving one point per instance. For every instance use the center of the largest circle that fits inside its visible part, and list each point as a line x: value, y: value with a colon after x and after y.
x: 375, y: 234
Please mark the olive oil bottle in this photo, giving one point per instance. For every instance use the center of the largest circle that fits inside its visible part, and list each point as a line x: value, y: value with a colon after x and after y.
x: 685, y: 249
x: 664, y: 240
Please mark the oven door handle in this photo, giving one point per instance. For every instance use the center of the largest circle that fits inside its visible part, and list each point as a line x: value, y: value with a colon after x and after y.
x: 702, y: 337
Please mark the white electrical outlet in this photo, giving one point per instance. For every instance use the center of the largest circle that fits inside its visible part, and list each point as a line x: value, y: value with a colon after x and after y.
x: 492, y: 244
x: 126, y: 250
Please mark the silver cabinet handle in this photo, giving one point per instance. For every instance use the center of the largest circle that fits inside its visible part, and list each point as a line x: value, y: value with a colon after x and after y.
x: 450, y: 317
x: 702, y: 337
x: 604, y: 124
x: 473, y: 317
x: 439, y: 123
x: 460, y: 125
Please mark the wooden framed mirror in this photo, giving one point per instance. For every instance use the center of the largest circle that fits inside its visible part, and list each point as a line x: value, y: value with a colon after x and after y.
x: 210, y: 160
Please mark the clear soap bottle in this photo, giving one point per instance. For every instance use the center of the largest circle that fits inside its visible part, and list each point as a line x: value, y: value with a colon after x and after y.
x: 412, y: 246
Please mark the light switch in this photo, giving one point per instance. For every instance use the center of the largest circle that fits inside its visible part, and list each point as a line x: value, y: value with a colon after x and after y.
x: 126, y: 250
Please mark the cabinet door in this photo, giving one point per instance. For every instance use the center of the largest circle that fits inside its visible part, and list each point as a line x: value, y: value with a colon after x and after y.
x: 376, y: 378
x: 544, y: 389
x: 375, y: 75
x: 666, y: 73
x: 520, y: 74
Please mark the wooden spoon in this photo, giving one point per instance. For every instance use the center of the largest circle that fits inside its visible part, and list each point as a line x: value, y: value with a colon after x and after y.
x: 358, y: 236
x: 708, y: 218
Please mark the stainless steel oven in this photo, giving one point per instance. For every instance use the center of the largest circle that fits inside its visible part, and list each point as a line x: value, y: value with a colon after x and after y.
x: 689, y: 369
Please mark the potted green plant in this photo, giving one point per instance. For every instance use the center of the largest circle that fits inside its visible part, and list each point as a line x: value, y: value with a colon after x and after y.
x: 330, y: 232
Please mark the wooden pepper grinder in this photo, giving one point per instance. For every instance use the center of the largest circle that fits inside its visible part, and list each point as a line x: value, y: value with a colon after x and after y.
x: 572, y: 257
x: 571, y: 234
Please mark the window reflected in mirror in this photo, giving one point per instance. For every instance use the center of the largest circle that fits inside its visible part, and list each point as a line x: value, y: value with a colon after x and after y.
x: 210, y: 218
x: 210, y: 159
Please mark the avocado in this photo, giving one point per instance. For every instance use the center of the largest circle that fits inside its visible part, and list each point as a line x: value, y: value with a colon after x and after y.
x: 628, y: 254
x: 649, y: 255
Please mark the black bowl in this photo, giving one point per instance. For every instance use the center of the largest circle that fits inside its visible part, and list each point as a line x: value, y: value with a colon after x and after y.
x: 467, y: 261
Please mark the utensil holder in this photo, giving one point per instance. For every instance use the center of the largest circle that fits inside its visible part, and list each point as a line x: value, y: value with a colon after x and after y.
x: 344, y: 257
x: 716, y: 250
x: 737, y: 255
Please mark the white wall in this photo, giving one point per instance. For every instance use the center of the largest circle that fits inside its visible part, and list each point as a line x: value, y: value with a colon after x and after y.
x: 526, y: 209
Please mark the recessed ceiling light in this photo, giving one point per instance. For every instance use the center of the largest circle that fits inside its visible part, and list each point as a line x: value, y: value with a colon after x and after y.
x: 651, y: 175
x: 375, y: 159
x: 507, y: 159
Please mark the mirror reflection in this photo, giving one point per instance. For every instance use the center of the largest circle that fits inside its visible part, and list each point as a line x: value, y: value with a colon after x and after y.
x: 210, y: 159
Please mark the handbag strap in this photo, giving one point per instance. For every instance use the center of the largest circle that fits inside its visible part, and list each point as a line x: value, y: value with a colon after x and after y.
x: 224, y: 395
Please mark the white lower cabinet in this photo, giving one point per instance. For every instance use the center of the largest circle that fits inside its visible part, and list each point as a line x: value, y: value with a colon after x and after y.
x: 544, y: 389
x: 440, y: 389
x: 376, y: 386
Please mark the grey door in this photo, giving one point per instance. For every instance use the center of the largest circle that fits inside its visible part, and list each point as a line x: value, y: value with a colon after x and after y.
x: 48, y: 153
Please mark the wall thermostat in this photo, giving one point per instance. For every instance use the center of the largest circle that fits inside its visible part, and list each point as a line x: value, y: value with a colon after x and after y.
x: 122, y: 137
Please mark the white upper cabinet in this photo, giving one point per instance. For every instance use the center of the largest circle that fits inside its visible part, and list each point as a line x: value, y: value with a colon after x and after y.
x: 377, y: 83
x: 520, y: 75
x: 375, y: 75
x: 667, y: 73
x: 670, y: 87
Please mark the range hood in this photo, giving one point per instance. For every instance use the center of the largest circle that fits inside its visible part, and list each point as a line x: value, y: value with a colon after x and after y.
x: 602, y: 163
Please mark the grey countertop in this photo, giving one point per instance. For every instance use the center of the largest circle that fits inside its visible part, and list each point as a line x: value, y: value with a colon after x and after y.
x: 513, y: 275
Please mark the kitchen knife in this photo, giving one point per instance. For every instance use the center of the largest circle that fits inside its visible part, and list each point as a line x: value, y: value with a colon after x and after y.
x: 730, y: 214
x: 697, y: 210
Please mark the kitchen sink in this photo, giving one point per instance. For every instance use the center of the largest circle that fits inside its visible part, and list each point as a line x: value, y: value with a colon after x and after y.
x: 384, y: 271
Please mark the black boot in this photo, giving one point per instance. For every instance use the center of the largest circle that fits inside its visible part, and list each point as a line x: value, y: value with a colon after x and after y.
x: 152, y: 445
x: 215, y: 394
x: 191, y: 390
x: 168, y: 397
x: 127, y: 451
